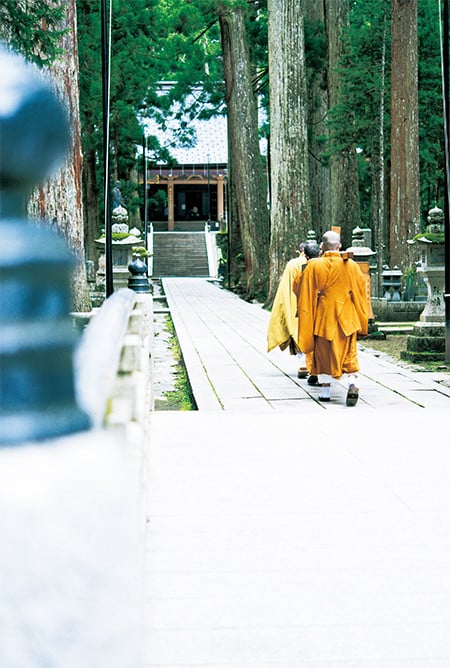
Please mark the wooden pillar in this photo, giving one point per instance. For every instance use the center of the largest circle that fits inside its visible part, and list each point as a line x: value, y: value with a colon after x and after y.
x: 170, y: 204
x: 220, y: 185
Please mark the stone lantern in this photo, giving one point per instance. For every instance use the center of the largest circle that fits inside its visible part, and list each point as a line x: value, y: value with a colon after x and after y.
x: 391, y: 280
x: 122, y: 249
x: 362, y: 254
x: 428, y: 339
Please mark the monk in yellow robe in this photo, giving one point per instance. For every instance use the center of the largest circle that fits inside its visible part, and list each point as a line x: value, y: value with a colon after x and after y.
x: 333, y: 310
x: 283, y: 323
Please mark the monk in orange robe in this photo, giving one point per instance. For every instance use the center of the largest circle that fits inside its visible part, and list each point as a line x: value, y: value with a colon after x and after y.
x: 333, y: 310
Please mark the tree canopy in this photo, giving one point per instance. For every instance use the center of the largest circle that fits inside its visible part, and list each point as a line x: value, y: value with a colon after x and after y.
x: 180, y: 41
x: 33, y: 28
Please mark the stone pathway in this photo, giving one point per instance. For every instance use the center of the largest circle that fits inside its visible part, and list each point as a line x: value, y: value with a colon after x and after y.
x: 282, y: 533
x: 223, y: 340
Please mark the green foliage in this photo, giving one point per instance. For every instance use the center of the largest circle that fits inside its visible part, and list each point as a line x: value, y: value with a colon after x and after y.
x: 182, y: 395
x: 355, y: 122
x: 141, y: 251
x: 133, y: 72
x: 117, y: 236
x: 222, y: 243
x: 431, y: 134
x: 33, y: 28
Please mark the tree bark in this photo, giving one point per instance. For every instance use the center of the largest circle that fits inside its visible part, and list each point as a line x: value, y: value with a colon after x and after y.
x: 249, y: 184
x: 345, y: 209
x: 319, y: 172
x: 379, y: 218
x: 59, y: 200
x: 404, y: 189
x: 289, y: 197
x: 90, y: 192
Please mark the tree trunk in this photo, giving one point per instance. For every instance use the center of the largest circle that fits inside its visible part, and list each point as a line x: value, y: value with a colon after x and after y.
x: 236, y: 269
x: 249, y: 184
x: 319, y: 172
x: 60, y: 199
x: 379, y: 180
x: 404, y: 191
x: 90, y: 190
x: 289, y: 178
x: 345, y: 211
x: 134, y: 214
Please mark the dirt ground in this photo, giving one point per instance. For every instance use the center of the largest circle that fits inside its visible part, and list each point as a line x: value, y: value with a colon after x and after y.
x: 392, y: 347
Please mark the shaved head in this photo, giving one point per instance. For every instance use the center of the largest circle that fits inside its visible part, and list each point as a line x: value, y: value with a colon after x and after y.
x: 331, y: 241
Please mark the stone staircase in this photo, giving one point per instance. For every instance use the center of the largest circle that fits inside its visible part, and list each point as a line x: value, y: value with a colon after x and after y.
x: 179, y: 254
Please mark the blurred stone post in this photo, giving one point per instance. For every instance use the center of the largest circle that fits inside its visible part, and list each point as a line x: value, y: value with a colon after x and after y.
x: 37, y: 398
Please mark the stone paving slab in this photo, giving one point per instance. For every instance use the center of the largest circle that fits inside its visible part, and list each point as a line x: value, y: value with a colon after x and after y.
x: 278, y: 542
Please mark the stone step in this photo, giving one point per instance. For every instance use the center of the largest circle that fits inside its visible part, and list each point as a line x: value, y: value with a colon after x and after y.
x: 395, y: 327
x: 180, y: 254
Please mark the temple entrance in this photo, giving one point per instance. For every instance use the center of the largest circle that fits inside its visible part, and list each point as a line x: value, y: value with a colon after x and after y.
x: 191, y: 203
x: 176, y: 196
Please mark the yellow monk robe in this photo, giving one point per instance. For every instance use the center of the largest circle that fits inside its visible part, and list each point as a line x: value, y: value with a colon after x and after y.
x: 333, y: 309
x: 283, y: 323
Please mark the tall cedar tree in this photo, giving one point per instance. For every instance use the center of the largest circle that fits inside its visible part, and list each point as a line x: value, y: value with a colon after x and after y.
x: 246, y: 167
x: 289, y: 163
x: 365, y: 76
x: 233, y: 61
x: 33, y: 28
x: 317, y: 94
x: 365, y: 88
x: 345, y: 212
x: 405, y: 190
x: 46, y: 34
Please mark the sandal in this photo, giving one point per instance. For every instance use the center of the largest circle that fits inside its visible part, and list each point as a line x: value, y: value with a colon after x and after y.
x: 302, y: 372
x: 312, y: 380
x: 352, y: 395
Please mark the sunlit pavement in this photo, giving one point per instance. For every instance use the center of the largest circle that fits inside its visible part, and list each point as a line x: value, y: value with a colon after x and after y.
x: 282, y: 532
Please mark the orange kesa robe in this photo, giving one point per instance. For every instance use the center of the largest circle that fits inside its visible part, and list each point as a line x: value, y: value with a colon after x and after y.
x: 333, y: 309
x: 283, y: 323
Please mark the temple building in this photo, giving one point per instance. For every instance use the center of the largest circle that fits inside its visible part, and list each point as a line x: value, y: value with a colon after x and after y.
x: 193, y: 192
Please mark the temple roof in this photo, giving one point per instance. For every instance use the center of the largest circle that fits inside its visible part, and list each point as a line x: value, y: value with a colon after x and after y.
x: 209, y: 137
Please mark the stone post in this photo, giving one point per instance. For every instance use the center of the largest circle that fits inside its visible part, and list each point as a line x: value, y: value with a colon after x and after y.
x: 37, y: 397
x: 138, y: 280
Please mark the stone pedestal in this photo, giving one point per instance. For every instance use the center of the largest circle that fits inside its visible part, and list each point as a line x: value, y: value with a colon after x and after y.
x: 426, y: 343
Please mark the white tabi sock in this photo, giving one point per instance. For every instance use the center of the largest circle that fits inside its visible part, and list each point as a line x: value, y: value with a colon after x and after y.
x: 302, y: 359
x: 325, y: 391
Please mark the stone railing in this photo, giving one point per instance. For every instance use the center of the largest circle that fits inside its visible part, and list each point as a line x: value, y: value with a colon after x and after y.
x: 73, y: 423
x: 113, y: 365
